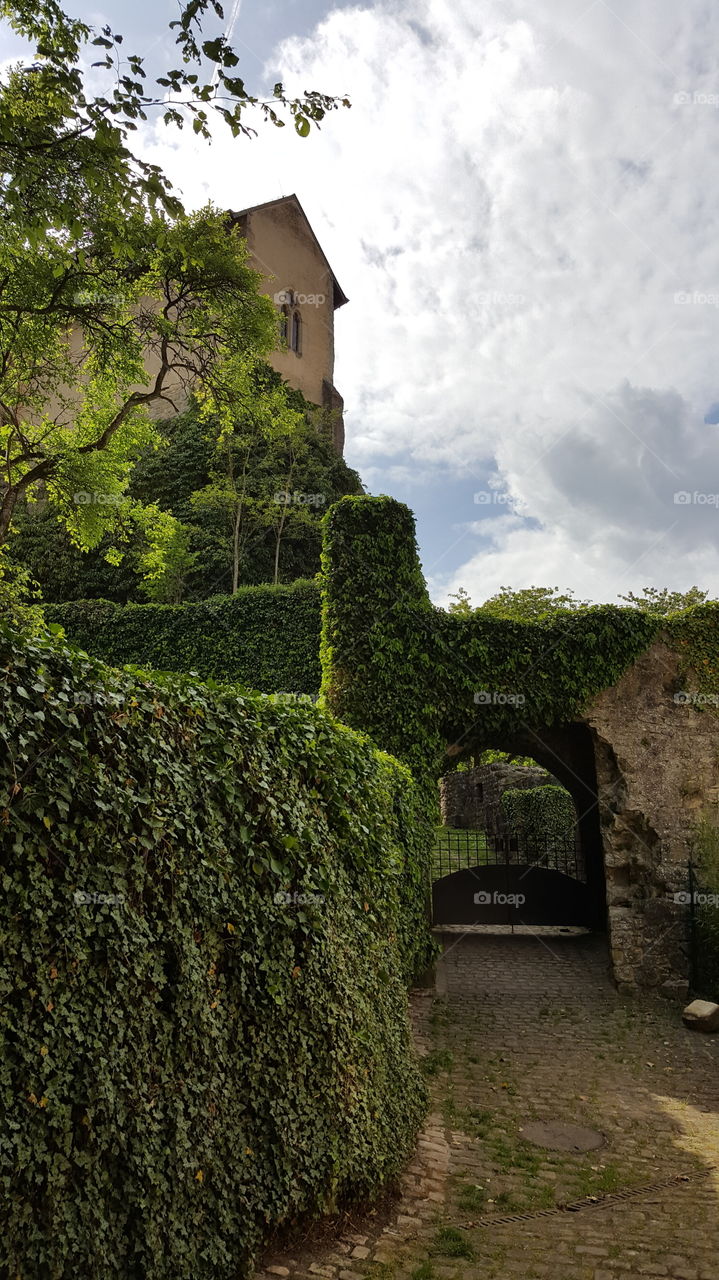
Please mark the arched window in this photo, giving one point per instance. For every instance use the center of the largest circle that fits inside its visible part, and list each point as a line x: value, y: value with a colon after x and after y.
x: 284, y: 323
x: 295, y: 336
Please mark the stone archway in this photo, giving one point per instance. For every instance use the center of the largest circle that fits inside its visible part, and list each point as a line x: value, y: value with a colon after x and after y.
x: 567, y: 754
x: 619, y: 705
x: 642, y: 769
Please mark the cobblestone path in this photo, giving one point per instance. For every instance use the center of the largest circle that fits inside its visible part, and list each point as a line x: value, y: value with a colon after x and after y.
x: 525, y: 1029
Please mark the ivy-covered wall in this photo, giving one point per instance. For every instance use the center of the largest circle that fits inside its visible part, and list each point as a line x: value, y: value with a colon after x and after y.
x: 266, y: 638
x: 211, y: 904
x: 618, y: 704
x: 424, y: 682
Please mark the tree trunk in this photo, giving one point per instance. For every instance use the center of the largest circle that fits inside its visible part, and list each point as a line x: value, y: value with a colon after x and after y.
x: 236, y: 549
x: 238, y: 524
x: 278, y: 540
x: 283, y: 517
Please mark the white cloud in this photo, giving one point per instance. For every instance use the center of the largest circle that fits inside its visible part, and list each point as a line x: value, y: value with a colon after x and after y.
x: 512, y: 204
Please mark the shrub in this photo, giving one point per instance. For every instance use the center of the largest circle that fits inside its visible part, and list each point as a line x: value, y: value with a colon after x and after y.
x: 264, y: 637
x: 202, y: 968
x: 539, y: 815
x: 19, y: 597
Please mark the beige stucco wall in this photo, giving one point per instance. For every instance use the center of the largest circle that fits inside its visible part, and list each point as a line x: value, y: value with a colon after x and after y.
x: 284, y: 250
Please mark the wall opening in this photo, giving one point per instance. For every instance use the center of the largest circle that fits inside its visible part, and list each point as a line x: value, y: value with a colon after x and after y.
x: 558, y: 870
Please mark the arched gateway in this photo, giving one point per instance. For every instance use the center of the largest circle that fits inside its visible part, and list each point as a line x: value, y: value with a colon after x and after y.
x: 621, y: 707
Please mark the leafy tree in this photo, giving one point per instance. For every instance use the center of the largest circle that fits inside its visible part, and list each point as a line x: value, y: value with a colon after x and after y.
x: 87, y: 348
x: 461, y: 603
x: 197, y: 474
x: 112, y: 302
x: 257, y: 516
x: 530, y: 604
x: 492, y: 756
x: 19, y: 597
x: 228, y: 495
x: 166, y: 557
x: 41, y: 544
x: 60, y: 143
x: 663, y: 601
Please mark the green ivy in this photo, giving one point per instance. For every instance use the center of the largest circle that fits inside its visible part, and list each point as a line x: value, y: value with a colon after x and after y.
x: 212, y: 902
x: 432, y: 686
x: 694, y: 634
x: 394, y: 665
x: 264, y: 637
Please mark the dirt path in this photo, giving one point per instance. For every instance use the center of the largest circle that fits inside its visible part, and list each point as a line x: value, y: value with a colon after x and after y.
x: 523, y: 1031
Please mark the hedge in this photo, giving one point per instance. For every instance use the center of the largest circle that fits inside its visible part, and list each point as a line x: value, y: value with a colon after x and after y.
x: 212, y: 901
x: 539, y: 815
x: 431, y: 686
x: 264, y: 637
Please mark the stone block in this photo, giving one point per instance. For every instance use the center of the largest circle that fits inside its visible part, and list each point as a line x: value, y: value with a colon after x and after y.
x: 702, y: 1015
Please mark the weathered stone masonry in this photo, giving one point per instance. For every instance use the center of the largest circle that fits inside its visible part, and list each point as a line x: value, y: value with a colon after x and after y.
x: 657, y: 764
x: 472, y: 799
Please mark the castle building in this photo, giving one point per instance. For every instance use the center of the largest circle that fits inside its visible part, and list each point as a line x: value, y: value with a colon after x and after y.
x: 304, y: 288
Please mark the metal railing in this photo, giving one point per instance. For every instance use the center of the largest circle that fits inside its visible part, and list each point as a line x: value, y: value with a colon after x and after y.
x: 458, y: 850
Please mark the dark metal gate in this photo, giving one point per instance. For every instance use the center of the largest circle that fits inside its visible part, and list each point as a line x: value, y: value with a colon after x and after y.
x: 481, y: 879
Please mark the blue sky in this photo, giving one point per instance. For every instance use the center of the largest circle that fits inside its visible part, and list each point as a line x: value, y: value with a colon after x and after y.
x: 257, y: 30
x: 520, y: 208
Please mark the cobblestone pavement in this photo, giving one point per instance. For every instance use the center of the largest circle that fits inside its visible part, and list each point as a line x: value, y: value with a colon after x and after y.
x: 526, y: 1029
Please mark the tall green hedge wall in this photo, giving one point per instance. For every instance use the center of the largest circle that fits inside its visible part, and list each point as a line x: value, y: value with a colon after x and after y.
x: 267, y: 637
x: 429, y: 685
x: 211, y: 903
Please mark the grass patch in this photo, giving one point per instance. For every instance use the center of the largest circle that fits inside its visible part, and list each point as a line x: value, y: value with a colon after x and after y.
x: 439, y: 1060
x: 450, y: 1114
x: 477, y: 1121
x: 544, y: 1197
x: 518, y: 1155
x: 523, y: 1202
x: 593, y: 1182
x: 474, y: 1121
x: 425, y: 1271
x: 471, y: 1198
x: 506, y: 1200
x: 440, y: 1016
x: 451, y: 1243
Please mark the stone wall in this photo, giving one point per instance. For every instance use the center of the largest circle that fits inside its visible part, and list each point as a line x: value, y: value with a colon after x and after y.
x: 471, y: 799
x: 657, y: 764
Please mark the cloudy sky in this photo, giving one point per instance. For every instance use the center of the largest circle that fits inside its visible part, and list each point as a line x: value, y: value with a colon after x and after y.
x: 521, y: 207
